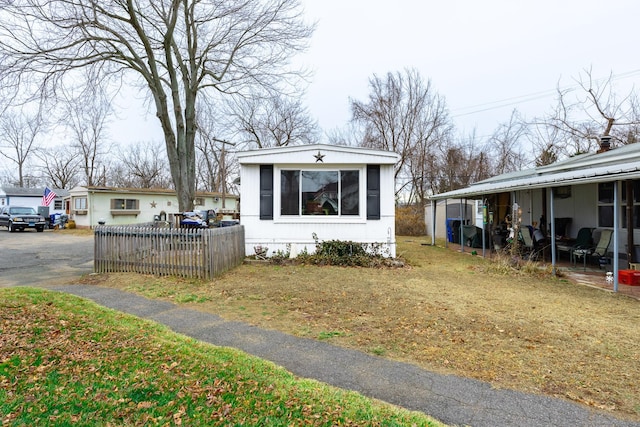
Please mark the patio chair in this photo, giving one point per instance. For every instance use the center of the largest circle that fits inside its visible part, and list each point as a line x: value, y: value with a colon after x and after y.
x: 527, y: 242
x: 598, y: 251
x: 583, y: 240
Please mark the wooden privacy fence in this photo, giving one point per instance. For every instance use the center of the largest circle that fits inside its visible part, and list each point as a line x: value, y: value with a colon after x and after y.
x: 187, y: 252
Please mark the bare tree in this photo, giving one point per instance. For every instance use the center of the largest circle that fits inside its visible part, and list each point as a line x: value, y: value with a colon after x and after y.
x: 212, y: 171
x: 591, y: 110
x: 60, y: 166
x: 404, y: 115
x: 506, y: 145
x: 213, y: 149
x: 478, y: 164
x: 274, y: 121
x: 141, y: 165
x: 547, y: 142
x: 216, y: 141
x: 457, y: 164
x: 436, y: 136
x: 174, y: 49
x: 86, y: 116
x: 349, y: 135
x: 18, y: 133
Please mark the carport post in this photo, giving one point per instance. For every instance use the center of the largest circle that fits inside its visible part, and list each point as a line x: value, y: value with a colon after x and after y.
x: 446, y: 232
x: 553, y: 233
x: 461, y: 228
x: 433, y: 222
x: 615, y: 236
x: 484, y: 226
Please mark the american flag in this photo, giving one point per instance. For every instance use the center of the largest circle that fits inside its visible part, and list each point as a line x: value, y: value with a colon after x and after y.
x: 48, y: 196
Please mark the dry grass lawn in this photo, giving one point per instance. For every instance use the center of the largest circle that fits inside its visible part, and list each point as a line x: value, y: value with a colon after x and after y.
x: 447, y: 312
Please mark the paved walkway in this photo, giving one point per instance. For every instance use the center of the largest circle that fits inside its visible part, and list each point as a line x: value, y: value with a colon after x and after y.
x: 452, y: 400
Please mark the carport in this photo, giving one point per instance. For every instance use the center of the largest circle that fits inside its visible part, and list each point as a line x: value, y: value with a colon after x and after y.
x: 547, y: 191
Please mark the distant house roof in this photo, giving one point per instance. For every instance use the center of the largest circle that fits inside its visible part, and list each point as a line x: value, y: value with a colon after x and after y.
x: 32, y: 192
x: 105, y: 189
x: 617, y: 164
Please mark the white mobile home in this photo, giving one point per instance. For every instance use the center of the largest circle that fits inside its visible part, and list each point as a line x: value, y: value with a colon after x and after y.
x: 291, y: 194
x: 90, y: 206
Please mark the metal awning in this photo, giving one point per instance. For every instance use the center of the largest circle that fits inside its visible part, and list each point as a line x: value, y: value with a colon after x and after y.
x: 623, y: 163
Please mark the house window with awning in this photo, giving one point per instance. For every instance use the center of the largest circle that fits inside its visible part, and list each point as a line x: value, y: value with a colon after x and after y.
x: 125, y: 206
x: 80, y: 204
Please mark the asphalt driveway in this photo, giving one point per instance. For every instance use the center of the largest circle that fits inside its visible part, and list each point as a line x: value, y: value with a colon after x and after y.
x: 49, y: 258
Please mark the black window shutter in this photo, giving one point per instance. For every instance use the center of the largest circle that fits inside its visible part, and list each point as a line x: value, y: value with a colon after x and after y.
x: 266, y: 191
x: 373, y: 191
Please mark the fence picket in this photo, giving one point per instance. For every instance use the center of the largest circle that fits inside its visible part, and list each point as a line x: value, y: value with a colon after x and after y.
x: 199, y: 253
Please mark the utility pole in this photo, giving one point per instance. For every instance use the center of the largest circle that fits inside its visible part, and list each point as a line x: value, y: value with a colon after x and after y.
x: 222, y: 172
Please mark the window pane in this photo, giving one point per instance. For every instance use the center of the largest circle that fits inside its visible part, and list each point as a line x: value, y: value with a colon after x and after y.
x: 605, y: 216
x: 80, y: 203
x: 117, y: 203
x: 636, y: 191
x: 636, y: 216
x: 605, y: 192
x: 290, y: 192
x: 266, y: 192
x: 349, y: 193
x: 320, y: 192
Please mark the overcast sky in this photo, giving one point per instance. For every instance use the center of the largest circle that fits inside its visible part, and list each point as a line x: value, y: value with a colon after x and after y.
x: 479, y: 55
x: 475, y: 53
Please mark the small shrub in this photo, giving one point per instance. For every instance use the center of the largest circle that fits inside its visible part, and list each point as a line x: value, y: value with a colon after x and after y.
x: 410, y: 221
x: 281, y: 257
x: 349, y: 254
x: 508, y: 264
x: 378, y: 351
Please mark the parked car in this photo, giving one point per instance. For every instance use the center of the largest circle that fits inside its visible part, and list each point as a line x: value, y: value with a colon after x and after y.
x: 21, y: 217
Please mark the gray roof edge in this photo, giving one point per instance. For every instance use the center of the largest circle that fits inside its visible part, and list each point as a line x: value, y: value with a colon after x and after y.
x: 629, y: 170
x: 32, y: 191
x: 619, y: 163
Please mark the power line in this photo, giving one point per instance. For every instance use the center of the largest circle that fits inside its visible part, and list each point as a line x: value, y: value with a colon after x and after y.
x: 506, y: 102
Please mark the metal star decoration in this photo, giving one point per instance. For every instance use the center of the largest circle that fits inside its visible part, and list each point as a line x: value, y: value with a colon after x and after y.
x: 153, y: 204
x: 319, y: 157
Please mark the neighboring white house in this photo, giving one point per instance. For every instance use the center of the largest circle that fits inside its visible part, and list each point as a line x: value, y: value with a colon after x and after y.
x: 90, y: 206
x: 291, y: 194
x: 32, y: 197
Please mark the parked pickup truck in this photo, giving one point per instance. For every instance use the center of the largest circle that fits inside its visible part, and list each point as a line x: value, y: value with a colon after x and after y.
x: 21, y: 217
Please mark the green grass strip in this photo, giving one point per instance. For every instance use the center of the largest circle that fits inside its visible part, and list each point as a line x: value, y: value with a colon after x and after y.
x: 67, y: 361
